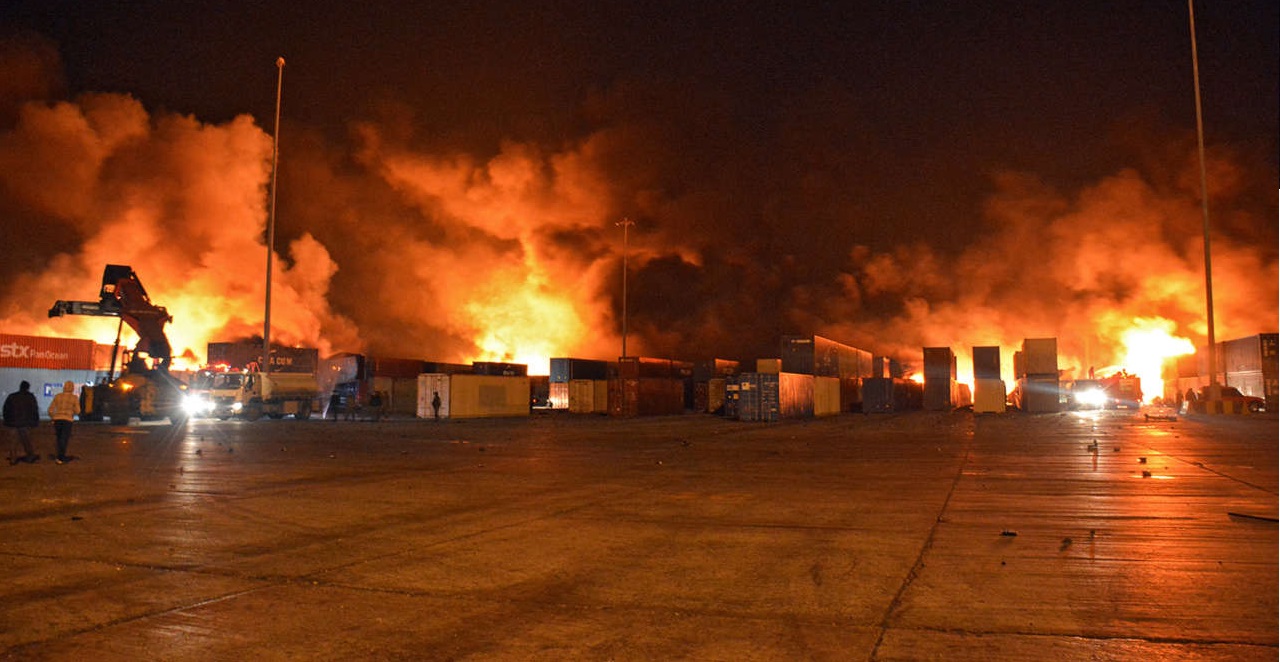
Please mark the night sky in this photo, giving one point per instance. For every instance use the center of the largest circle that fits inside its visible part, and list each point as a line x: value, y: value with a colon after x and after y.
x: 779, y: 161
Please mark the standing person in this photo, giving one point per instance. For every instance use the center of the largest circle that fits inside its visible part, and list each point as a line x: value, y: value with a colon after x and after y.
x: 63, y: 411
x: 335, y: 403
x: 22, y: 412
x: 435, y: 404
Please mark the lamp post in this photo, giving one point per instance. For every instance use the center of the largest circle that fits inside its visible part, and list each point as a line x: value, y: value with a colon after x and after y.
x: 271, y: 223
x: 1204, y: 204
x: 625, y: 223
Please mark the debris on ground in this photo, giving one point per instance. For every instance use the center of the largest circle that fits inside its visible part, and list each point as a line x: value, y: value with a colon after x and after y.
x: 1066, y: 542
x: 1009, y: 533
x: 1146, y: 474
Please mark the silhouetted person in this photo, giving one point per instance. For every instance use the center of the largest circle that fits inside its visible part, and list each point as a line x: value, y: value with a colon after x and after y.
x: 335, y: 403
x: 22, y: 412
x: 63, y: 411
x: 435, y: 404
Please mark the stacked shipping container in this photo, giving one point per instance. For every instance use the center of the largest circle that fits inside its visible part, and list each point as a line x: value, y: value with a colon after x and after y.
x: 823, y: 357
x: 767, y: 396
x: 1036, y: 367
x: 989, y: 393
x: 940, y: 392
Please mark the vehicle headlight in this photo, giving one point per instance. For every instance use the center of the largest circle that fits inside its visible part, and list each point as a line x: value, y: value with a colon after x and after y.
x: 237, y: 406
x: 195, y: 404
x: 1092, y: 397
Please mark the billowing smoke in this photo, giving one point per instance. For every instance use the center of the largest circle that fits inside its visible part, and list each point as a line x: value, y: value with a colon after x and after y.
x: 391, y: 243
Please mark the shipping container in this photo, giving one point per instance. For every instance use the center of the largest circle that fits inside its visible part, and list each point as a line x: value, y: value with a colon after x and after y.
x: 645, y: 397
x: 1039, y: 357
x: 1250, y: 354
x: 559, y: 395
x: 565, y: 370
x: 582, y: 396
x: 851, y: 393
x: 986, y: 363
x: 701, y: 397
x: 989, y: 396
x: 826, y: 396
x: 1038, y: 395
x: 637, y: 367
x: 771, y: 366
x: 886, y: 368
x: 716, y: 395
x: 488, y: 396
x: 247, y: 355
x: 393, y: 368
x: 704, y: 371
x: 442, y: 368
x: 886, y: 395
x: 823, y: 357
x: 939, y: 363
x: 429, y: 386
x: 732, y: 395
x: 768, y: 397
x: 400, y: 394
x: 601, y: 396
x: 939, y: 394
x: 496, y: 369
x: 36, y: 352
x: 47, y: 382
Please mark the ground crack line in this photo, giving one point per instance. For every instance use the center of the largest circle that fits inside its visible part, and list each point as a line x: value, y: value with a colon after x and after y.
x: 924, y: 549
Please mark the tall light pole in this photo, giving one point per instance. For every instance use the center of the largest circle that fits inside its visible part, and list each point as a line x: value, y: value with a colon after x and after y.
x: 271, y: 223
x: 1204, y: 204
x: 626, y: 224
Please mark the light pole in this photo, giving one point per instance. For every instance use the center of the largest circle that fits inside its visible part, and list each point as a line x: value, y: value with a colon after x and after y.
x: 271, y: 223
x: 1204, y: 204
x: 625, y: 223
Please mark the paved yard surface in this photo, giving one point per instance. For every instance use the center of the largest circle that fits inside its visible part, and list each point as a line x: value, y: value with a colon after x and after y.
x: 899, y: 537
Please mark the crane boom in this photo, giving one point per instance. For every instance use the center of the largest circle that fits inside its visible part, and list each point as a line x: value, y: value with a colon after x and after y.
x: 123, y: 296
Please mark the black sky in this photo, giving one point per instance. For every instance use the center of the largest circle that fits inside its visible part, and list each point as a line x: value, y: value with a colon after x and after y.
x: 902, y: 112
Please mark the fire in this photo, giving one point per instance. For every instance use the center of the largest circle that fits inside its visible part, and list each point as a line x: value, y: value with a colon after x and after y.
x: 528, y: 324
x: 1146, y: 346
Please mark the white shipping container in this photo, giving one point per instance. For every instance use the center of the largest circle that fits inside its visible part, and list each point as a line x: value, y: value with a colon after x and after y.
x: 582, y: 396
x: 430, y: 384
x: 989, y: 396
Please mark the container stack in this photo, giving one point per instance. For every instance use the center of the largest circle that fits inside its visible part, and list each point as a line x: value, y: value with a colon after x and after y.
x: 709, y: 380
x: 769, y: 397
x: 566, y: 370
x: 940, y: 391
x: 823, y: 357
x: 1036, y: 367
x: 989, y: 394
x: 647, y: 387
x: 1250, y: 365
x: 884, y: 395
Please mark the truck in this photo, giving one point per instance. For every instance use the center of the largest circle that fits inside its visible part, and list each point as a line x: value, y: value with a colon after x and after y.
x: 144, y: 389
x: 1122, y: 389
x: 236, y: 388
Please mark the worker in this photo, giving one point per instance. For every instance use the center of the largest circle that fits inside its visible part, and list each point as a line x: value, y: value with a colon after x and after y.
x: 63, y: 411
x: 22, y: 412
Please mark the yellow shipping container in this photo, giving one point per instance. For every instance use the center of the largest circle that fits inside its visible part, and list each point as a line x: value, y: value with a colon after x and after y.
x: 826, y: 396
x: 715, y: 394
x: 582, y: 396
x: 988, y: 396
x: 601, y: 401
x: 429, y: 385
x: 488, y: 396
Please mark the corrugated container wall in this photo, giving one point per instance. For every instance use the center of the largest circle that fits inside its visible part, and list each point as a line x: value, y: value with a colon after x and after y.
x: 559, y: 395
x: 565, y: 370
x: 496, y: 369
x: 488, y: 396
x: 429, y: 385
x: 18, y: 351
x: 771, y: 396
x: 239, y: 356
x: 989, y: 396
x: 1039, y: 395
x: 1040, y: 357
x: 704, y: 371
x: 939, y: 362
x: 630, y: 397
x: 986, y: 363
x: 826, y: 396
x: 582, y: 396
x: 771, y: 366
x: 393, y: 368
x: 884, y: 395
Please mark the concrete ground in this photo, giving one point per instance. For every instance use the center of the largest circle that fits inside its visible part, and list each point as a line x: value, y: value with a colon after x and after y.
x: 890, y: 537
